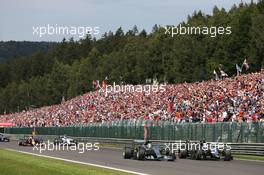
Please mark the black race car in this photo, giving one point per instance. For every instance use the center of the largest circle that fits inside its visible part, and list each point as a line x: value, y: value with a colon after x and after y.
x: 30, y: 140
x: 4, y: 138
x: 204, y: 151
x: 64, y: 140
x: 144, y: 150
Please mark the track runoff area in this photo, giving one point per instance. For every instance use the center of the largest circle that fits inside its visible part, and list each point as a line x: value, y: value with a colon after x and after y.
x: 110, y: 161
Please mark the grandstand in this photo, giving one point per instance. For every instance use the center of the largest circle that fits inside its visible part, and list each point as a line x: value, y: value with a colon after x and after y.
x: 238, y: 99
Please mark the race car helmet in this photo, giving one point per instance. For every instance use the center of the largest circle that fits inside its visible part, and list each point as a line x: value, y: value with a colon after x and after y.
x: 149, y: 145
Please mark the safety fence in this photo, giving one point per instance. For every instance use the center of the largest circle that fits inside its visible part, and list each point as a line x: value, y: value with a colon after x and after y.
x: 163, y: 130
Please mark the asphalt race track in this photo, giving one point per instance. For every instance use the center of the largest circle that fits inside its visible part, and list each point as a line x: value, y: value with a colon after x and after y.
x: 113, y: 158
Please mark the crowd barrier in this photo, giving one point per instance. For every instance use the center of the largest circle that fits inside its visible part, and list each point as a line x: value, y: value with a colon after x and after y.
x: 231, y: 132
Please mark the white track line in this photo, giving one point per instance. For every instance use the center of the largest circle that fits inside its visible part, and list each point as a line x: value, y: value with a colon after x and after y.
x: 83, y: 163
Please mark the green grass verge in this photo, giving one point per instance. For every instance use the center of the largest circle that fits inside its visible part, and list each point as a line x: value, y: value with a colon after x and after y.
x: 248, y: 157
x: 14, y: 163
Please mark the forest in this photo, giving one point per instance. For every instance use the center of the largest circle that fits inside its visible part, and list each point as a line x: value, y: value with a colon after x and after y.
x: 18, y: 49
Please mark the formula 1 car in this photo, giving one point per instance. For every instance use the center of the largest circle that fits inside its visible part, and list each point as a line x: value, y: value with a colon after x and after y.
x: 144, y: 150
x: 30, y: 140
x: 64, y: 140
x: 204, y: 151
x: 4, y: 138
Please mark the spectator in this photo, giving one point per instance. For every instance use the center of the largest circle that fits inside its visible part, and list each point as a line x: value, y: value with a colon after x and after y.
x: 232, y: 99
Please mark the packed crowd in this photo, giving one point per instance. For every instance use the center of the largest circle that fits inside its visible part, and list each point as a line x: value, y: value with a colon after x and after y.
x: 233, y: 99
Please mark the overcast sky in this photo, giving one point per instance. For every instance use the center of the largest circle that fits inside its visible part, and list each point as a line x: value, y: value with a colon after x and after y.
x: 17, y: 17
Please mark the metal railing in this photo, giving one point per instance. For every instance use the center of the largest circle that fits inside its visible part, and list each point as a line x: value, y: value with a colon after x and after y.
x: 163, y: 130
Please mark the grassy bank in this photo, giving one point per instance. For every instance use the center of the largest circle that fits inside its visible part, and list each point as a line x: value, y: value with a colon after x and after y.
x: 14, y: 163
x: 248, y: 157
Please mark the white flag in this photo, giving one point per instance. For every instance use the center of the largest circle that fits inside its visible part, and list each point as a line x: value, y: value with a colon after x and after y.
x: 216, y: 75
x: 245, y: 64
x: 223, y: 74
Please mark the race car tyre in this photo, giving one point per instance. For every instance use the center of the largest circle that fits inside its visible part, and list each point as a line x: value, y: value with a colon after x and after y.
x: 141, y: 154
x: 227, y: 155
x: 55, y: 141
x: 5, y: 140
x: 198, y: 155
x: 182, y: 154
x: 173, y: 157
x: 22, y: 143
x: 193, y: 154
x: 127, y: 153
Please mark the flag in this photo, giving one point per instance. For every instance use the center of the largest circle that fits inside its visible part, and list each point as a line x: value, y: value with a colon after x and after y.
x: 155, y: 81
x: 220, y: 67
x: 104, y: 84
x: 216, y: 75
x: 223, y: 74
x: 62, y: 99
x: 245, y: 64
x: 239, y: 70
x: 95, y: 84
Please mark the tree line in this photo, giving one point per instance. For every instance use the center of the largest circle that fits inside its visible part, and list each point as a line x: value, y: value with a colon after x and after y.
x: 17, y: 49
